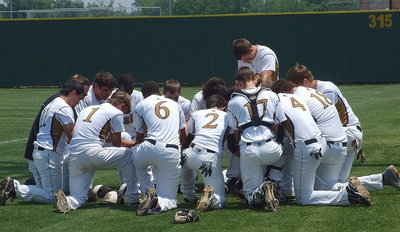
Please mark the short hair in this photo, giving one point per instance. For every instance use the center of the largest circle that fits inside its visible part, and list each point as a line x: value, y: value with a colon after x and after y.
x: 149, y: 88
x: 119, y: 97
x: 297, y: 73
x: 215, y: 100
x: 172, y: 86
x: 70, y: 86
x: 126, y: 82
x: 212, y: 86
x: 241, y: 47
x: 282, y: 85
x: 245, y: 74
x: 226, y: 91
x: 105, y: 79
x: 81, y: 79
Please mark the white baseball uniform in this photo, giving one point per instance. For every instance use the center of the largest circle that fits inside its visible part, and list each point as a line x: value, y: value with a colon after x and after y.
x: 265, y: 59
x: 50, y: 147
x: 257, y: 146
x: 89, y: 100
x: 349, y: 121
x: 307, y: 140
x: 198, y: 103
x: 93, y: 126
x: 161, y: 119
x: 185, y: 105
x: 209, y: 127
x: 328, y: 121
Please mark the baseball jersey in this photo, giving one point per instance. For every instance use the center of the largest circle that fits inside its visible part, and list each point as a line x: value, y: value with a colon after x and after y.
x: 161, y: 118
x: 265, y: 59
x: 136, y: 97
x: 89, y: 100
x: 324, y: 113
x: 268, y: 107
x: 51, y: 133
x: 209, y: 127
x: 198, y: 103
x: 300, y: 123
x: 185, y: 105
x: 94, y: 125
x: 347, y: 117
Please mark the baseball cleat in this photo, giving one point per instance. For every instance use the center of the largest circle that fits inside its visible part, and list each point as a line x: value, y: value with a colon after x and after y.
x: 150, y: 201
x: 62, y: 204
x: 272, y: 204
x: 357, y: 194
x: 7, y: 190
x: 205, y: 202
x: 391, y: 177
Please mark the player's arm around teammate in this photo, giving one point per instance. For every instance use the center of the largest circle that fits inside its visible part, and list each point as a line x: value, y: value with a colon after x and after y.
x: 203, y: 155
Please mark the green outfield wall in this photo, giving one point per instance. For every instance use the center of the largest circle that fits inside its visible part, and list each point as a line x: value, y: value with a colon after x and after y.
x: 345, y: 47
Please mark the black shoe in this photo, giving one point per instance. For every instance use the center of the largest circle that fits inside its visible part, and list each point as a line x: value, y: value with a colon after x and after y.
x: 30, y: 181
x: 154, y: 211
x: 7, y: 190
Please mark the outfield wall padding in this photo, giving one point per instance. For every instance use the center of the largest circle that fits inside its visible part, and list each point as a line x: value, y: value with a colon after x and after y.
x: 346, y: 47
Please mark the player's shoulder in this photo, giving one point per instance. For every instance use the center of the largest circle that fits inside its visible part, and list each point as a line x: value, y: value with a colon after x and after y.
x: 198, y: 96
x: 183, y: 101
x: 326, y: 85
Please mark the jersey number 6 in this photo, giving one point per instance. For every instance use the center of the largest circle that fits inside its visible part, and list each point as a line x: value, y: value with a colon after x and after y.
x: 158, y: 109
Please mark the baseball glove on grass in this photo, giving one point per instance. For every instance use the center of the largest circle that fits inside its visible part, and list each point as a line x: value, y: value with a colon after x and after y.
x: 184, y: 216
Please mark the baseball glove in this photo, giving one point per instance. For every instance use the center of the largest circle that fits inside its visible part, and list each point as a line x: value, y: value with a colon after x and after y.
x: 184, y: 216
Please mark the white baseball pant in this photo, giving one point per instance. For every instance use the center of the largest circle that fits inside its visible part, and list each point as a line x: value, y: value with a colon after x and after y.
x: 305, y: 166
x: 83, y: 166
x: 253, y: 157
x: 353, y: 134
x: 166, y: 168
x: 196, y: 156
x: 49, y: 166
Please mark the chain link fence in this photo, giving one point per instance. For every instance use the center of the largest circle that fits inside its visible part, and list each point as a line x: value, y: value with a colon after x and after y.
x: 270, y: 6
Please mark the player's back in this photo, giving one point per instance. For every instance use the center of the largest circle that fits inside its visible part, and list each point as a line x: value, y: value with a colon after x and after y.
x: 268, y: 110
x: 209, y: 127
x: 346, y: 114
x: 324, y: 113
x: 162, y: 118
x: 94, y: 125
x: 299, y: 116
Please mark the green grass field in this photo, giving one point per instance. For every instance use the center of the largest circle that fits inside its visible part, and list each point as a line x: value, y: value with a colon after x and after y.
x: 376, y: 106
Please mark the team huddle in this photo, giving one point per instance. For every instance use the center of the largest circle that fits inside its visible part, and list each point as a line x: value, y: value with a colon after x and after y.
x: 285, y: 139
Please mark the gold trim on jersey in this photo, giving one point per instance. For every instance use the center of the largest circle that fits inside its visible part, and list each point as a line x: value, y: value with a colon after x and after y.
x: 341, y: 109
x: 105, y: 131
x: 275, y: 74
x: 288, y: 125
x: 56, y: 132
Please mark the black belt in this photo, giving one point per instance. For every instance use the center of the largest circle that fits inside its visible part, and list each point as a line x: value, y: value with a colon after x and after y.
x: 310, y: 141
x: 208, y: 150
x: 331, y: 142
x: 152, y: 141
x: 40, y: 148
x: 359, y: 128
x: 270, y: 139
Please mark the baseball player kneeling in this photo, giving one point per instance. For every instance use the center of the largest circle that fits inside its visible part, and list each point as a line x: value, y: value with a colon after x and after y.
x: 163, y: 122
x: 204, y: 153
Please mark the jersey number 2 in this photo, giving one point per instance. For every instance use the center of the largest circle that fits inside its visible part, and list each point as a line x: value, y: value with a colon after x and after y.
x: 210, y: 125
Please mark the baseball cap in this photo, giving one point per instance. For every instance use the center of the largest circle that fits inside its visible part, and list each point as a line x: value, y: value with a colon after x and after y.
x: 113, y: 198
x: 101, y: 190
